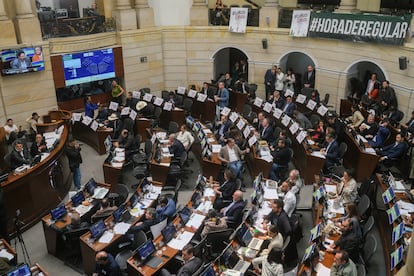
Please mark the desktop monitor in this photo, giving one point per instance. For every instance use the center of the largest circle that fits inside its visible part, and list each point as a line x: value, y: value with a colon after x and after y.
x: 134, y: 200
x: 168, y: 232
x: 117, y: 214
x: 315, y: 232
x: 58, y: 212
x: 393, y: 213
x: 20, y: 270
x: 90, y: 186
x: 318, y: 194
x: 308, y: 252
x: 201, y: 135
x: 247, y: 237
x: 97, y: 229
x: 397, y: 232
x: 77, y: 198
x: 388, y: 195
x: 396, y: 257
x: 209, y: 271
x: 146, y: 250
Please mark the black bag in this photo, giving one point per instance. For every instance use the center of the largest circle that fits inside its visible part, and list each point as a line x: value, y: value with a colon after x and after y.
x: 296, y: 222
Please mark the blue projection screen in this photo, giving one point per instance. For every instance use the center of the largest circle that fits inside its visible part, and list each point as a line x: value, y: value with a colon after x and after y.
x: 88, y: 66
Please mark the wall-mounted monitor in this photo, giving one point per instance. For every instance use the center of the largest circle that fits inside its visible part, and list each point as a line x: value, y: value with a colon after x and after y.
x: 21, y: 60
x: 88, y: 66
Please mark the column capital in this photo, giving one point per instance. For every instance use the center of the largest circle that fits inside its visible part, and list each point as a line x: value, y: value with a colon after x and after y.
x: 348, y: 6
x: 3, y: 13
x: 271, y: 3
x: 24, y: 9
x: 123, y: 5
x: 141, y: 4
x: 199, y: 3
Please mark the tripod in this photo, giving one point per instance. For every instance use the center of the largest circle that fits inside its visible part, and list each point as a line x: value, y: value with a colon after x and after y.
x: 17, y: 224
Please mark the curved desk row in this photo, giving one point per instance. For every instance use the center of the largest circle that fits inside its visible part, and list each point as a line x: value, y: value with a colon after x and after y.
x: 39, y: 189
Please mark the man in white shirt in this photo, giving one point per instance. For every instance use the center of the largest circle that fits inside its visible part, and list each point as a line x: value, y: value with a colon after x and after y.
x: 289, y: 201
x: 185, y: 137
x: 231, y: 155
x: 12, y: 131
x: 295, y: 181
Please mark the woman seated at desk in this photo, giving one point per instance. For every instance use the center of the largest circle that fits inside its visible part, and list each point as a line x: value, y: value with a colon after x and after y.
x: 318, y: 134
x: 185, y: 137
x: 347, y: 188
x: 275, y: 240
x: 271, y: 265
x: 213, y: 223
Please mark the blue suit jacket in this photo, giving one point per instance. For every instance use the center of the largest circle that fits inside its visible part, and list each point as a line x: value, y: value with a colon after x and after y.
x: 267, y: 135
x: 289, y: 110
x: 393, y: 151
x: 224, y: 102
x: 235, y: 212
x: 380, y: 137
x: 332, y: 155
x: 167, y: 211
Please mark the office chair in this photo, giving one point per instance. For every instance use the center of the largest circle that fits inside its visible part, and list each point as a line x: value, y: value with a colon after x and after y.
x: 121, y: 259
x: 173, y: 127
x: 165, y: 95
x: 72, y: 252
x: 252, y: 92
x: 179, y: 99
x: 145, y: 90
x: 285, y: 243
x: 216, y: 242
x: 7, y: 159
x: 155, y: 230
x: 247, y: 108
x: 370, y: 247
x: 118, y: 195
x: 252, y: 116
x: 187, y: 105
x: 325, y: 101
x: 171, y: 191
x: 363, y: 206
x: 366, y: 228
x: 155, y: 119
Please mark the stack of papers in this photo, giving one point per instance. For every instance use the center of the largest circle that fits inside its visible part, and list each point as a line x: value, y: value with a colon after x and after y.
x: 270, y: 193
x: 5, y: 254
x: 208, y: 192
x: 205, y: 206
x: 318, y: 154
x: 121, y: 228
x: 82, y: 209
x: 195, y: 220
x: 181, y: 240
x: 216, y: 148
x: 106, y: 237
x: 405, y: 207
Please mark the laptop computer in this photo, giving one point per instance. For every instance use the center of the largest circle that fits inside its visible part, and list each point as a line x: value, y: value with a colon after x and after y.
x: 97, y: 230
x: 168, y: 233
x: 235, y: 263
x: 117, y: 214
x: 251, y: 242
x: 185, y: 215
x: 90, y: 186
x: 58, y: 212
x: 77, y: 199
x: 144, y: 254
x: 20, y: 270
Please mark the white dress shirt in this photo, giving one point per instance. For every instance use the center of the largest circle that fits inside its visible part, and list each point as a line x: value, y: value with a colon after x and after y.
x: 232, y: 155
x: 289, y: 203
x: 185, y: 138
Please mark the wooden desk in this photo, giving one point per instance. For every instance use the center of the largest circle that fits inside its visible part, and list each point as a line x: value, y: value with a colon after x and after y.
x: 95, y: 139
x: 306, y: 163
x: 159, y: 171
x: 385, y: 229
x: 39, y: 189
x: 176, y: 115
x: 141, y: 124
x: 5, y: 245
x: 363, y: 163
x: 3, y: 150
x: 237, y: 101
x: 49, y: 127
x: 54, y: 242
x: 206, y: 111
x: 257, y: 164
x: 112, y: 175
x: 89, y: 249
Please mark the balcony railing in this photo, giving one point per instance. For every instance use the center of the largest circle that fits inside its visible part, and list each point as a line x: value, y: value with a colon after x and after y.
x: 221, y: 18
x: 77, y: 26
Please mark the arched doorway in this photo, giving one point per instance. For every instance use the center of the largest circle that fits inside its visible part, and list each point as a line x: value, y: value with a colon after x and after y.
x: 224, y: 61
x: 358, y: 74
x: 297, y: 61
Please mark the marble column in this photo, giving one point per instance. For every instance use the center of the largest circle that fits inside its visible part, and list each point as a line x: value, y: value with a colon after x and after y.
x: 199, y: 13
x: 145, y: 14
x: 8, y: 34
x: 125, y: 16
x: 269, y: 14
x: 347, y: 6
x: 27, y: 24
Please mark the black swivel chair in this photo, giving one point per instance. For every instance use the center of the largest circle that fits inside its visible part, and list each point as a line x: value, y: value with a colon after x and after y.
x: 187, y: 105
x: 118, y: 195
x: 72, y: 252
x: 363, y: 206
x: 173, y: 127
x: 370, y: 247
x: 216, y: 242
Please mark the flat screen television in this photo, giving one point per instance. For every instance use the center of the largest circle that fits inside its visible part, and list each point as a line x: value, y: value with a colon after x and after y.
x: 21, y: 60
x: 88, y: 66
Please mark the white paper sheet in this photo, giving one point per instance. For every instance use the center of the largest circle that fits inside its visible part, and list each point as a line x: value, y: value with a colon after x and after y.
x: 76, y: 117
x: 181, y: 90
x: 181, y: 240
x: 277, y: 113
x: 158, y: 101
x: 5, y: 254
x: 252, y: 140
x: 226, y: 111
x: 323, y: 270
x: 233, y: 116
x: 322, y: 110
x: 216, y: 148
x: 241, y: 124
x: 94, y: 125
x: 147, y: 97
x: 318, y: 154
x: 268, y: 107
x: 136, y: 94
x: 289, y: 93
x: 332, y: 209
x: 192, y: 93
x: 133, y: 114
x: 270, y: 193
x: 246, y: 132
x: 121, y: 228
x: 168, y: 106
x: 301, y: 98
x: 113, y: 106
x: 208, y: 192
x: 301, y: 136
x: 86, y: 120
x: 125, y: 110
x: 258, y: 102
x: 294, y: 128
x: 286, y: 120
x: 311, y: 104
x: 195, y: 220
x: 201, y: 97
x: 106, y: 237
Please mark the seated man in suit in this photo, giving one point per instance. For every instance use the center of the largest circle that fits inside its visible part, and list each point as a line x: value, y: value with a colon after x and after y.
x: 222, y: 129
x: 190, y: 263
x: 176, y: 147
x: 106, y: 265
x: 267, y: 131
x: 281, y: 157
x: 381, y: 135
x: 131, y: 102
x: 409, y: 126
x: 392, y: 152
x: 149, y: 219
x: 258, y: 122
x: 349, y: 240
x: 331, y: 151
x: 75, y: 224
x: 276, y: 100
x: 105, y: 210
x: 209, y: 91
x: 232, y: 156
x: 278, y: 217
x: 19, y: 155
x: 225, y: 191
x: 234, y: 212
x: 166, y: 208
x: 38, y: 146
x: 125, y: 141
x: 289, y: 106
